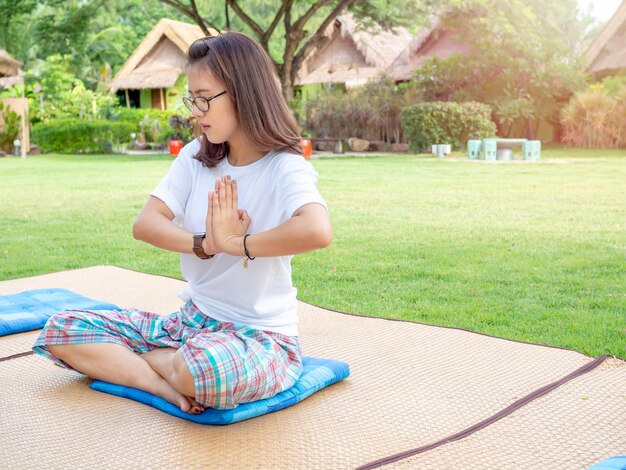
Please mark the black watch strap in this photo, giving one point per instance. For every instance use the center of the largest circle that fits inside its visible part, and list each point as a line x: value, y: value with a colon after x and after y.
x: 197, y: 246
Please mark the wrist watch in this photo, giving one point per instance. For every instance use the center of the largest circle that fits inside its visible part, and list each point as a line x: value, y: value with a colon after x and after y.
x: 197, y: 246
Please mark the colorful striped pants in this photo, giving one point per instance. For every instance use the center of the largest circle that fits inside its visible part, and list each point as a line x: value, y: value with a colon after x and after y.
x: 231, y: 363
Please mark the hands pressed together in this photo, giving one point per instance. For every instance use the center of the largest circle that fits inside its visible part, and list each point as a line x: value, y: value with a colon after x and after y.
x: 226, y: 224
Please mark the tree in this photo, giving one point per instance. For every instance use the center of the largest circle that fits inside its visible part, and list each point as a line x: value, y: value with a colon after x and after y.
x: 19, y: 20
x: 117, y: 30
x: 69, y: 49
x: 95, y: 36
x: 289, y: 30
x: 522, y: 59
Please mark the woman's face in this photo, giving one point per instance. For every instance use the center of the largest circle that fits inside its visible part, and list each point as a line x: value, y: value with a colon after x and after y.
x: 219, y: 124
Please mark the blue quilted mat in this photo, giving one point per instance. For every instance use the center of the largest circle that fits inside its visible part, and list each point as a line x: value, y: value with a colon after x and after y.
x: 614, y: 463
x: 31, y: 309
x: 318, y: 373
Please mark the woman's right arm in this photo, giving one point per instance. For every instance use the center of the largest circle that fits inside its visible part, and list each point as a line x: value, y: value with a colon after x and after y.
x: 154, y: 225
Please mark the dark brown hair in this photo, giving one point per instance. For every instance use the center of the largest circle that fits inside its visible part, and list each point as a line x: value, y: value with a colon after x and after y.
x: 250, y: 79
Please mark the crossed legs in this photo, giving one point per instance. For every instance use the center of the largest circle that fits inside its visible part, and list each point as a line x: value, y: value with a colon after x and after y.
x: 162, y: 372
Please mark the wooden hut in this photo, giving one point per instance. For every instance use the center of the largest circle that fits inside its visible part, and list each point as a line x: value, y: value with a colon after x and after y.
x: 155, y: 72
x: 433, y: 41
x: 352, y: 56
x: 607, y: 53
x: 10, y: 71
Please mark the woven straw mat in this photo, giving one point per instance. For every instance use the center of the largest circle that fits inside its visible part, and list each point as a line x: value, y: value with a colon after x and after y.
x: 411, y: 388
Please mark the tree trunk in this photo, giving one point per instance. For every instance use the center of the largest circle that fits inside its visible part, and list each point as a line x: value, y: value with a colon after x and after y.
x: 529, y: 129
x: 287, y: 89
x: 293, y: 38
x: 288, y: 76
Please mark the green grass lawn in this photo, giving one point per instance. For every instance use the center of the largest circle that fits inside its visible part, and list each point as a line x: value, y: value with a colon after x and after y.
x: 529, y: 251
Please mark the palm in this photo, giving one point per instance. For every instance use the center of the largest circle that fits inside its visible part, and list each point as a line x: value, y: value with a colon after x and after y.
x: 228, y: 224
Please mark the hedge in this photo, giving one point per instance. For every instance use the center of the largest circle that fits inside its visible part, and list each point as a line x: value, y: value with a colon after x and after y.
x: 78, y: 136
x: 441, y: 122
x: 156, y: 127
x: 135, y: 115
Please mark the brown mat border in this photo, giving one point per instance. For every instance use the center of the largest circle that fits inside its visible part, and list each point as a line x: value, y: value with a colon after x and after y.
x: 15, y: 356
x: 492, y: 419
x: 562, y: 348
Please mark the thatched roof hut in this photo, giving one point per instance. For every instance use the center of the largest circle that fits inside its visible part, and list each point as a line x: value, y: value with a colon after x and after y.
x: 353, y: 55
x: 10, y: 71
x: 160, y: 58
x: 607, y: 54
x: 433, y: 41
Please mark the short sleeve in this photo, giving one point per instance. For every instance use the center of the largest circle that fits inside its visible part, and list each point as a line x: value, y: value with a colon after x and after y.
x: 175, y: 187
x: 297, y: 184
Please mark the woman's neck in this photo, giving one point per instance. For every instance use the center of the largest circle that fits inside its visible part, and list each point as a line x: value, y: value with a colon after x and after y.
x: 241, y: 153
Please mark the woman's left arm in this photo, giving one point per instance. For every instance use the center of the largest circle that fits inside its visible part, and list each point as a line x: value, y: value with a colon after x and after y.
x: 308, y: 229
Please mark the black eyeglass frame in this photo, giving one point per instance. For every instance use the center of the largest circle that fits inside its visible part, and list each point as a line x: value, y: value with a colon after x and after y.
x: 190, y: 102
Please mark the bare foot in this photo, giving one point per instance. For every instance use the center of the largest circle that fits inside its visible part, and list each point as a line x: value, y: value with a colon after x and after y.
x: 196, y: 407
x: 187, y: 404
x: 161, y: 362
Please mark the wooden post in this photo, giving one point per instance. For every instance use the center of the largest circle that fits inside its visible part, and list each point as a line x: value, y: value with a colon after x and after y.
x: 24, y: 134
x: 127, y: 98
x: 24, y: 121
x: 161, y: 96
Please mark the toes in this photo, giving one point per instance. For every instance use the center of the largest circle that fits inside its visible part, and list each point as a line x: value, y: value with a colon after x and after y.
x: 184, y: 404
x: 195, y: 406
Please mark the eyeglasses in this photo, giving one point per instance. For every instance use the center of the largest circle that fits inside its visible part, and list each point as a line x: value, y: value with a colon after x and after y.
x: 201, y: 102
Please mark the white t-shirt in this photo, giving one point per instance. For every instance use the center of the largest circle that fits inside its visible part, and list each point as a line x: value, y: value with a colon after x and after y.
x: 270, y: 190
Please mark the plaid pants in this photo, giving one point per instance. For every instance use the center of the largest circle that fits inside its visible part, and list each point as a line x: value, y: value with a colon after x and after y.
x: 231, y: 363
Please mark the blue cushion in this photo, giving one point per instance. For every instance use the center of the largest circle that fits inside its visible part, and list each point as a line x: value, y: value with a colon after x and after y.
x: 614, y: 463
x: 31, y: 309
x: 318, y: 373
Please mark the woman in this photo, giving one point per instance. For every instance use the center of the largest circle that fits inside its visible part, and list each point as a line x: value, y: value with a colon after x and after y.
x: 237, y: 203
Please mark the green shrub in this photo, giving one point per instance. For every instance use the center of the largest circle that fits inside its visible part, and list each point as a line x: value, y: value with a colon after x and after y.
x: 136, y: 115
x: 76, y: 136
x: 153, y: 123
x: 179, y: 128
x: 595, y: 119
x: 371, y: 112
x: 614, y: 85
x: 61, y: 95
x: 451, y: 123
x: 10, y: 130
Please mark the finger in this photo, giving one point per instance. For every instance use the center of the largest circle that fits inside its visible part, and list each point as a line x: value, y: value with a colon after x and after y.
x: 235, y: 195
x: 209, y: 213
x: 240, y: 214
x: 246, y: 220
x: 228, y: 188
x: 215, y: 205
x: 222, y: 195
